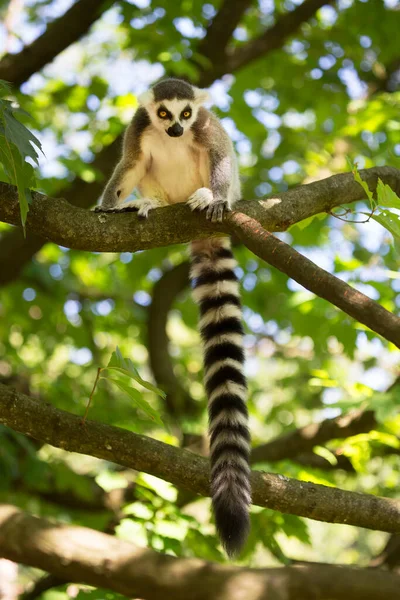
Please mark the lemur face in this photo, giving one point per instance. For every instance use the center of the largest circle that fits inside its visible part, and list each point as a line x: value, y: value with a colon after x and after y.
x: 173, y: 106
x: 175, y: 116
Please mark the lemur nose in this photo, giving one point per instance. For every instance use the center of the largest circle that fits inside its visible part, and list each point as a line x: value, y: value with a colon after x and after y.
x: 175, y: 130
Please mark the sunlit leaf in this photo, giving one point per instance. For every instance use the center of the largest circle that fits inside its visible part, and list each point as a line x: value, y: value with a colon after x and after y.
x: 125, y: 366
x: 137, y: 399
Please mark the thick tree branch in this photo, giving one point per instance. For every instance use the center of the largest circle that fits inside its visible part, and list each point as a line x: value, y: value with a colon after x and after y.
x: 304, y: 271
x: 58, y: 221
x: 84, y: 555
x: 61, y: 33
x: 78, y: 229
x: 63, y: 430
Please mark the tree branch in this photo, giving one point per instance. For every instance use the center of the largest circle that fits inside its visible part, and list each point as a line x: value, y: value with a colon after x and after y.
x: 83, y: 230
x: 276, y: 36
x: 316, y: 434
x: 58, y: 221
x: 219, y: 32
x: 83, y: 555
x: 231, y: 60
x: 63, y: 430
x: 304, y: 271
x: 304, y: 439
x: 61, y: 33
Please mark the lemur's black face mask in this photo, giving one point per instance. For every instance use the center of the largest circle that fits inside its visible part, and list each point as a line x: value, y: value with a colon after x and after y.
x: 175, y: 130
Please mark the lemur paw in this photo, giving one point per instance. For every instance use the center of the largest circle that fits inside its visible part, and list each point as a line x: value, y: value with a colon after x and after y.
x: 145, y: 205
x: 216, y: 210
x: 201, y: 199
x: 126, y: 206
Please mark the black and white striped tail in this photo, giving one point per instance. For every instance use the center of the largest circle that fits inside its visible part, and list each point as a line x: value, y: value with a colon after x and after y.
x: 216, y: 290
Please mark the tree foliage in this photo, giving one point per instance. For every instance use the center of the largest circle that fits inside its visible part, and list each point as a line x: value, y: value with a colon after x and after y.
x: 304, y: 107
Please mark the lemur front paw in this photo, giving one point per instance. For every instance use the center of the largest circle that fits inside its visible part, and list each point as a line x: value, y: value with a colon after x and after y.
x: 203, y: 199
x: 216, y: 210
x: 145, y: 205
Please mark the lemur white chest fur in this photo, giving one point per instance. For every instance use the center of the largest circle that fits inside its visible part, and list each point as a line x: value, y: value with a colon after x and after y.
x: 175, y: 167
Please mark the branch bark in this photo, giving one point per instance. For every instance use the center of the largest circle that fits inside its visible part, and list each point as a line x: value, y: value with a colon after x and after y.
x: 317, y: 280
x: 82, y: 230
x: 83, y: 555
x: 58, y: 221
x: 63, y: 430
x: 61, y: 33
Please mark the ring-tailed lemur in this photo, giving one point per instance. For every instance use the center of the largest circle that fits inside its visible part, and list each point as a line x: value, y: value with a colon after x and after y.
x: 177, y: 151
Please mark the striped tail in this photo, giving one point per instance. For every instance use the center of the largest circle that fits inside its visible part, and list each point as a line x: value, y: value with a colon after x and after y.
x: 216, y: 290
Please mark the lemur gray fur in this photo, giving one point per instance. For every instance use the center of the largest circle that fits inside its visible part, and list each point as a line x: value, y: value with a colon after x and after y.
x: 177, y: 151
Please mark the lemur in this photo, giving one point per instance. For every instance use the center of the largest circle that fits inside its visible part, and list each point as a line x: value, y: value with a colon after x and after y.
x: 177, y: 151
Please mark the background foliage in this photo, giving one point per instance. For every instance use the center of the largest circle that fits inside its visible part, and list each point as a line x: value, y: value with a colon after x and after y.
x: 328, y: 95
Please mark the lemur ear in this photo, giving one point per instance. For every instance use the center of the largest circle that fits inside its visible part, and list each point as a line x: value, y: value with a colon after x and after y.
x: 146, y: 98
x: 201, y: 96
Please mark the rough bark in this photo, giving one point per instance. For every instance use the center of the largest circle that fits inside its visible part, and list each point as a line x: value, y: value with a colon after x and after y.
x: 84, y: 555
x: 59, y: 222
x: 317, y: 280
x: 182, y: 468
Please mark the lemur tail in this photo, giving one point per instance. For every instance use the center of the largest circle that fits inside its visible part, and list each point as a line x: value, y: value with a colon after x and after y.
x: 216, y: 290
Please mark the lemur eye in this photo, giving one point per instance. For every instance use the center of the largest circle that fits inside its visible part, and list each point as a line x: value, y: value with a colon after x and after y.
x: 162, y: 114
x: 186, y: 114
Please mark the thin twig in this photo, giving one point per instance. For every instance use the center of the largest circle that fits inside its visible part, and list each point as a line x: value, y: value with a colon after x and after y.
x: 99, y: 370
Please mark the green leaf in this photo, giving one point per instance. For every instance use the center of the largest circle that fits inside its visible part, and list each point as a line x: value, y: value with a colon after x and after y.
x: 364, y: 185
x: 125, y: 365
x: 389, y: 221
x: 19, y: 172
x: 138, y: 400
x: 325, y: 453
x: 5, y: 88
x: 20, y: 136
x: 386, y: 196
